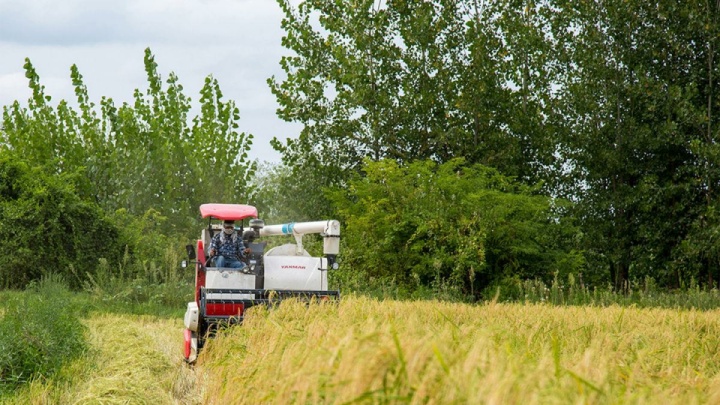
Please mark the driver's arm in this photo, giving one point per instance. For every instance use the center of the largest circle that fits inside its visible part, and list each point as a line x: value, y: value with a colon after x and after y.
x: 214, y: 246
x: 241, y: 249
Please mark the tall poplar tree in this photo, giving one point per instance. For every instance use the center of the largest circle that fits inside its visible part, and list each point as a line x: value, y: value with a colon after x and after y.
x: 634, y: 99
x: 143, y: 155
x: 611, y: 102
x: 409, y: 80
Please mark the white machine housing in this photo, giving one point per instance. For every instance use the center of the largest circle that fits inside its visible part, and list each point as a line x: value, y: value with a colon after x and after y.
x: 286, y: 267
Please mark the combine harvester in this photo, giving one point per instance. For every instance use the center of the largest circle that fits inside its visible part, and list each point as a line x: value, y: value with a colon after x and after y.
x: 222, y: 295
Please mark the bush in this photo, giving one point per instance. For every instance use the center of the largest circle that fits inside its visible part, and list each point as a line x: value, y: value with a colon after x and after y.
x: 46, y: 227
x: 153, y: 290
x: 39, y: 332
x: 454, y: 228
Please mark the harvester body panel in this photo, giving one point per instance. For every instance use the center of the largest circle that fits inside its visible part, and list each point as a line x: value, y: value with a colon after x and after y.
x: 222, y: 295
x: 294, y: 273
x: 232, y: 279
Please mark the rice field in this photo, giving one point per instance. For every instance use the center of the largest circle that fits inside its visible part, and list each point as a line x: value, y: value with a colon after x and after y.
x: 368, y: 351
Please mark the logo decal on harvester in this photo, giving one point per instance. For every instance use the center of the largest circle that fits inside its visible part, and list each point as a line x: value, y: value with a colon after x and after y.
x: 293, y: 267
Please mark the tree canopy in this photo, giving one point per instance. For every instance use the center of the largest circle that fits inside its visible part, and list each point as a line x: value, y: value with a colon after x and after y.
x: 457, y: 226
x: 609, y: 104
x: 140, y: 156
x: 46, y: 228
x: 601, y: 115
x: 416, y: 80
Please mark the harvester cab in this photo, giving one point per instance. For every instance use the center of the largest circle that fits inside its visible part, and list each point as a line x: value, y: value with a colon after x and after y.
x: 222, y: 295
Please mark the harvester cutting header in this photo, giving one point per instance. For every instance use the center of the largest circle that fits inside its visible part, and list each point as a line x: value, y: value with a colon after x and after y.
x: 222, y: 294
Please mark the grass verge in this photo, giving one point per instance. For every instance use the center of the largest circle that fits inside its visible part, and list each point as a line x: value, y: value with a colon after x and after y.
x: 132, y: 359
x: 40, y: 331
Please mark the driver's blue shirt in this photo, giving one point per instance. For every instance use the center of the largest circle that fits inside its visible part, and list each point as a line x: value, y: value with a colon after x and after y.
x: 230, y: 246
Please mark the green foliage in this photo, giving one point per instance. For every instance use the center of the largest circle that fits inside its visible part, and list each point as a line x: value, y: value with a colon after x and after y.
x: 45, y: 227
x: 411, y: 81
x: 148, y: 278
x: 39, y: 332
x: 637, y: 103
x: 142, y: 284
x: 452, y: 226
x: 138, y: 156
x: 611, y: 104
x: 286, y: 194
x: 416, y: 80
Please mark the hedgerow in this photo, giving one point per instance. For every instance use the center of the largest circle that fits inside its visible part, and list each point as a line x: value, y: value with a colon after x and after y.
x: 46, y: 227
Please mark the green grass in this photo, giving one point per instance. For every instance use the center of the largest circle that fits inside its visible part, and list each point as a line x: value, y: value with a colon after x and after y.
x: 643, y: 294
x: 40, y: 331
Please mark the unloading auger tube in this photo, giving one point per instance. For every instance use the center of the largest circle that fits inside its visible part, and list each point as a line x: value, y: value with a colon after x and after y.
x: 329, y: 230
x: 223, y: 294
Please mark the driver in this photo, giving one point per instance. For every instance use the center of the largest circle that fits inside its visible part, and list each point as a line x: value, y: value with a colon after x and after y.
x: 228, y: 247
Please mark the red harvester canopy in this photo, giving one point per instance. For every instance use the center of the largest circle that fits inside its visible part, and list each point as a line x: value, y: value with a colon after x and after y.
x: 234, y: 212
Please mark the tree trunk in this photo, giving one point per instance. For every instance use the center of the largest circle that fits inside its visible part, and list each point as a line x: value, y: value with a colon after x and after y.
x: 621, y: 275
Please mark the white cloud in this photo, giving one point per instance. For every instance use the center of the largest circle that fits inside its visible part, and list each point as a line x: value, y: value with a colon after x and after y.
x: 42, y: 22
x: 12, y: 86
x: 191, y: 22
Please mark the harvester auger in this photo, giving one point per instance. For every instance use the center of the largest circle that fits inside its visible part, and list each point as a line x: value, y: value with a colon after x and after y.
x: 222, y: 295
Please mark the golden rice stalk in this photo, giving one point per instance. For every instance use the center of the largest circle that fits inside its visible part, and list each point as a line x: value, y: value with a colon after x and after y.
x: 370, y: 351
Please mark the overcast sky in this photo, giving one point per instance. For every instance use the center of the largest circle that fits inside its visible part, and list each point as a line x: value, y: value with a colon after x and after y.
x: 236, y: 41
